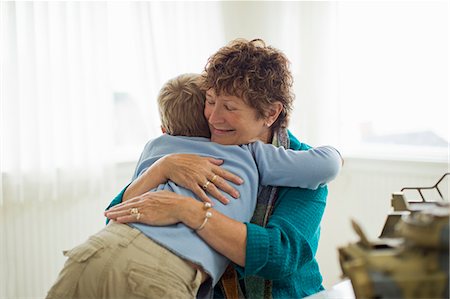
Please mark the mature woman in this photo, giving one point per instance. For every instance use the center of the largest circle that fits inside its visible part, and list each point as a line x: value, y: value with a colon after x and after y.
x: 249, y: 98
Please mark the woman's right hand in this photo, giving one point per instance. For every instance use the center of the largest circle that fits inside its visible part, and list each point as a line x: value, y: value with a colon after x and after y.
x: 194, y: 172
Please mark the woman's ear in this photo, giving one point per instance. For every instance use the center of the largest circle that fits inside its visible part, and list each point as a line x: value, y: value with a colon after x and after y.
x: 163, y: 130
x: 274, y: 112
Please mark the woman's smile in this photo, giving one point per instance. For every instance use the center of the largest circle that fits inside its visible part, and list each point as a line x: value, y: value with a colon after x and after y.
x: 220, y: 131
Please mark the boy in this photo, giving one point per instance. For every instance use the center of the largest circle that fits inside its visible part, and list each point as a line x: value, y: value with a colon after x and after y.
x: 149, y: 254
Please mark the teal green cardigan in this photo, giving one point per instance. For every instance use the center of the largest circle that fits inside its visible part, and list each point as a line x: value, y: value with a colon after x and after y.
x: 284, y: 251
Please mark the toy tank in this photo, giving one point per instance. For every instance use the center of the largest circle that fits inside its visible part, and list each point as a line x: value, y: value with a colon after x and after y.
x: 411, y: 257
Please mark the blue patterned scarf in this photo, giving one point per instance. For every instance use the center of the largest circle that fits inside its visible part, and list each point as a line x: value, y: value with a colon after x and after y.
x: 256, y: 287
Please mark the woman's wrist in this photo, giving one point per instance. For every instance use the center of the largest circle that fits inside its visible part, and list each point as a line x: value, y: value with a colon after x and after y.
x: 192, y: 213
x: 208, y: 214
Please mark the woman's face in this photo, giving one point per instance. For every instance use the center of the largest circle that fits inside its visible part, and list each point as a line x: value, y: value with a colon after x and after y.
x: 232, y: 121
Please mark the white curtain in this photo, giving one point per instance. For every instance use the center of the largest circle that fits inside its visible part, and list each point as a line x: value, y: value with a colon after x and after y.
x: 56, y: 104
x: 78, y: 87
x: 179, y: 35
x: 159, y: 40
x: 65, y: 68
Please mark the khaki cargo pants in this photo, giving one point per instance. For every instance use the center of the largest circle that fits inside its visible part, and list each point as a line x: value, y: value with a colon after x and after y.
x: 121, y: 262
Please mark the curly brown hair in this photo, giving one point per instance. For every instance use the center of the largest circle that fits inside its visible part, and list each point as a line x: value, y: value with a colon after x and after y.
x: 257, y: 73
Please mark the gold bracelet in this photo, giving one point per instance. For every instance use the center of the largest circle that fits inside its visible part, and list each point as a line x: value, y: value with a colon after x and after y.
x: 208, y: 215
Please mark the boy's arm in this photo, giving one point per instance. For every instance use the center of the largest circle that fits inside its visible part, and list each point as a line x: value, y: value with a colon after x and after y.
x: 305, y: 169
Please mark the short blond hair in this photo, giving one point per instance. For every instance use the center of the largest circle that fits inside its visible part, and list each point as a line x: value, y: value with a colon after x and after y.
x: 181, y: 103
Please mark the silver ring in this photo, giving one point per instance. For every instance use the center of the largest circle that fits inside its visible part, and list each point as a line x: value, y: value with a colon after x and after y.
x: 205, y: 186
x: 134, y: 211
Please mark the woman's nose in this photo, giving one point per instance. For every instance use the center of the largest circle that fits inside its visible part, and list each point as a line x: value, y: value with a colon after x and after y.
x: 215, y: 115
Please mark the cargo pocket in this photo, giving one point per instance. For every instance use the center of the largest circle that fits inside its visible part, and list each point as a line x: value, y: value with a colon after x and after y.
x: 83, y: 252
x: 68, y: 278
x: 146, y: 281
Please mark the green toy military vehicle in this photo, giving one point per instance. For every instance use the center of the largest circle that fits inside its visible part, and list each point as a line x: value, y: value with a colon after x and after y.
x: 411, y: 258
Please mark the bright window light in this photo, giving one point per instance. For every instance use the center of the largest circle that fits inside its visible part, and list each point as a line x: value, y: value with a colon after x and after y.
x: 393, y: 77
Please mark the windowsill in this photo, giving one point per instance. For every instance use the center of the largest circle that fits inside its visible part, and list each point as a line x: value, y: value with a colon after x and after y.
x: 390, y: 153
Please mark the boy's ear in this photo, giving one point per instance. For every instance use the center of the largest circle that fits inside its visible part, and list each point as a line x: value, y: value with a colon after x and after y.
x: 163, y: 130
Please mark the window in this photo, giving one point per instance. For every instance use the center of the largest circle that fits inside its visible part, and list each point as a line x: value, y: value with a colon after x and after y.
x: 393, y: 78
x: 149, y: 43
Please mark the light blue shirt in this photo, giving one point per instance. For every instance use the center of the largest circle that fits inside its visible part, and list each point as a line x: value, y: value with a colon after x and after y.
x: 256, y: 163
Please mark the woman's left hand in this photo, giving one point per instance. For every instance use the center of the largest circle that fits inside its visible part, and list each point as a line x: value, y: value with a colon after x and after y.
x: 158, y: 208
